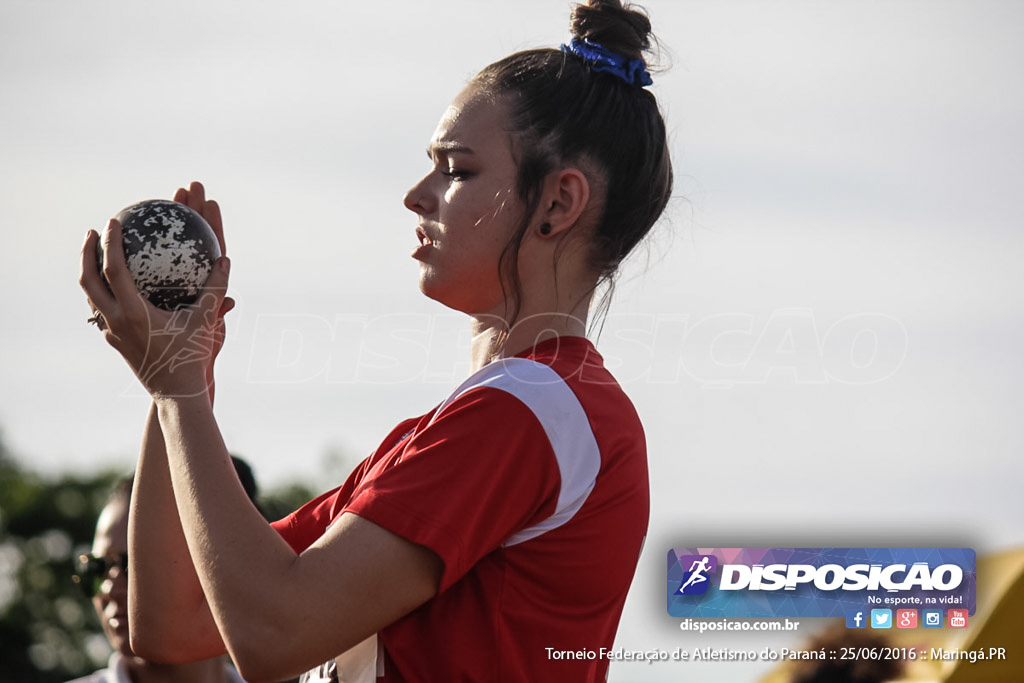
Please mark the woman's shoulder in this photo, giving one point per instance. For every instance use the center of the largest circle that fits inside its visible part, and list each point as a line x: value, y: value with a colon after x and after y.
x: 535, y: 382
x: 551, y: 378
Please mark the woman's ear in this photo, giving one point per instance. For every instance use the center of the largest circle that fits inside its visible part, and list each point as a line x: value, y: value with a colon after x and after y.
x: 564, y: 199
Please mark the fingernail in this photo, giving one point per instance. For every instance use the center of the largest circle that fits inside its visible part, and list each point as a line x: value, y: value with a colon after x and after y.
x: 225, y: 264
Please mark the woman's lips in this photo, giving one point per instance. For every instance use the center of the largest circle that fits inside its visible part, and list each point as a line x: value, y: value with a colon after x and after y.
x: 426, y: 244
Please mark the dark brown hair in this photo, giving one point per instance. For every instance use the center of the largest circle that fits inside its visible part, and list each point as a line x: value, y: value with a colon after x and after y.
x: 561, y: 111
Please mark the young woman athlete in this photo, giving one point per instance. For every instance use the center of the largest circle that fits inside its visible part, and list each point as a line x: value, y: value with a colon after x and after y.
x: 505, y: 524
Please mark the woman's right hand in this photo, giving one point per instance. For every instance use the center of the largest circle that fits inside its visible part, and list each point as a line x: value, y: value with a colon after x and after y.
x: 195, y: 198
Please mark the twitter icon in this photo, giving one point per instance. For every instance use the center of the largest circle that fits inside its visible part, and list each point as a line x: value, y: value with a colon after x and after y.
x: 881, y: 618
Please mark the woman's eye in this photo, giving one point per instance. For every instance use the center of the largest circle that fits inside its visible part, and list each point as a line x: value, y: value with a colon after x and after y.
x: 456, y: 174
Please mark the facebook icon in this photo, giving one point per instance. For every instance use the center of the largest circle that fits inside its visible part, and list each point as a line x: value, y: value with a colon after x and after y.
x: 856, y: 619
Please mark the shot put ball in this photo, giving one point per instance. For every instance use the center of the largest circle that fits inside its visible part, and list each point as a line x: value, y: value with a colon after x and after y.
x: 169, y: 249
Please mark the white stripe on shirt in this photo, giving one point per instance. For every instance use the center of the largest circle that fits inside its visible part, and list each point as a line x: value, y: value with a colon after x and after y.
x: 559, y: 412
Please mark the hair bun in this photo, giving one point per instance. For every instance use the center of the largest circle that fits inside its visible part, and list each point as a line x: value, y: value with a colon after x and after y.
x: 621, y: 29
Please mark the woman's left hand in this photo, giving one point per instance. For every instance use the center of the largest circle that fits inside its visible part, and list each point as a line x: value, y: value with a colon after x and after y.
x: 171, y: 352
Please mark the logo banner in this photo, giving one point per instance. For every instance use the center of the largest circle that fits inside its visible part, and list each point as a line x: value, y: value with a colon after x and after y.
x: 817, y: 582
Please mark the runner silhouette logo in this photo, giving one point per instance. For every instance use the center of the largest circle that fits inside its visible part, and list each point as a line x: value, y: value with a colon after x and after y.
x: 696, y: 579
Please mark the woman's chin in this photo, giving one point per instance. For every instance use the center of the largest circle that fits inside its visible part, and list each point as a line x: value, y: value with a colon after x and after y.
x: 434, y: 288
x: 477, y: 300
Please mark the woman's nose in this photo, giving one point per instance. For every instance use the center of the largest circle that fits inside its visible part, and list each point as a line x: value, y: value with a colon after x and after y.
x: 417, y: 199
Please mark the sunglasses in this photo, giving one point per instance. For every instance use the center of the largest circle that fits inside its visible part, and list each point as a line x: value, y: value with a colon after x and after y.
x: 91, y: 571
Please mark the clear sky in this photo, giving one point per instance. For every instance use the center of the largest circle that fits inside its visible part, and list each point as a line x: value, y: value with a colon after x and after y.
x: 823, y: 337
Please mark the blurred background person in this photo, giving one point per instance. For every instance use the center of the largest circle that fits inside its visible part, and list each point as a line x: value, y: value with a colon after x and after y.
x: 103, y: 576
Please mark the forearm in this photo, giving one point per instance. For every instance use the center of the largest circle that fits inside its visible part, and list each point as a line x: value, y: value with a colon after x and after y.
x: 169, y: 615
x: 240, y: 561
x: 280, y: 613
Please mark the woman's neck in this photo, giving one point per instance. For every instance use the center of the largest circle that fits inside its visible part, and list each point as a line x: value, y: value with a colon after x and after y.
x: 552, y: 302
x: 493, y: 340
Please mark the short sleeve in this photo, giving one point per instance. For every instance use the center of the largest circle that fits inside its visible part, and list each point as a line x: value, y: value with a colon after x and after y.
x: 304, y: 526
x: 481, y: 470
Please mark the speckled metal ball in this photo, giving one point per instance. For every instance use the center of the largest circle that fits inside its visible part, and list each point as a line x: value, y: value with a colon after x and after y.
x: 169, y: 249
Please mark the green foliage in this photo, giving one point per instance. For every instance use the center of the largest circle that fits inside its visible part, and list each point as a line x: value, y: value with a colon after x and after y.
x: 284, y: 499
x: 48, y: 628
x: 49, y: 631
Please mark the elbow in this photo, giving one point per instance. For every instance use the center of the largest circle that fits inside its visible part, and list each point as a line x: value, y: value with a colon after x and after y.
x: 255, y: 672
x: 155, y: 648
x: 148, y: 640
x: 269, y: 654
x: 156, y: 641
x: 251, y: 674
x: 262, y: 665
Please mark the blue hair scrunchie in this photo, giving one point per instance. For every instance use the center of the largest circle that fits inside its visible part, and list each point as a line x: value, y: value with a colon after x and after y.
x: 600, y: 58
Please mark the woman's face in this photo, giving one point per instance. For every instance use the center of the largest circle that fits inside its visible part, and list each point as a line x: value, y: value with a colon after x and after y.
x: 467, y: 207
x: 111, y: 601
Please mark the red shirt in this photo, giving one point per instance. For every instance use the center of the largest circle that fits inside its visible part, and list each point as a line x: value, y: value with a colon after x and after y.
x: 530, y: 483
